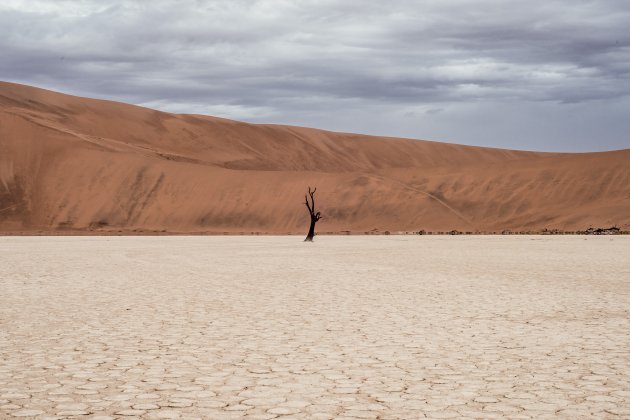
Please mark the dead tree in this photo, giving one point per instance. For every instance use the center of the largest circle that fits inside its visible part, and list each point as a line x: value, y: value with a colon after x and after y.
x: 314, y: 216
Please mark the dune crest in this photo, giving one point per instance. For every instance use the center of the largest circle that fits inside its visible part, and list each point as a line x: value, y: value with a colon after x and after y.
x: 74, y: 164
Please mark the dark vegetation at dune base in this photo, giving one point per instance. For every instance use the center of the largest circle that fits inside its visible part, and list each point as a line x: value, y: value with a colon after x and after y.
x: 104, y: 231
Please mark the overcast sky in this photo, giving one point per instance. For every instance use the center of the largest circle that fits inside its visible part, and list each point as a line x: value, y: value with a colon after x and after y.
x: 525, y: 74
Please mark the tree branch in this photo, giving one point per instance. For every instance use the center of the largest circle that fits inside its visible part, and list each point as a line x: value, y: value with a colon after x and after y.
x: 312, y: 194
x: 310, y: 210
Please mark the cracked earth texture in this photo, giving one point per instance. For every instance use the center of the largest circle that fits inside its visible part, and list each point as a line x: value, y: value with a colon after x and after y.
x: 346, y: 327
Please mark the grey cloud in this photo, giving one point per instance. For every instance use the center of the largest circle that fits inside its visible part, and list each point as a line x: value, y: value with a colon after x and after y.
x: 375, y: 67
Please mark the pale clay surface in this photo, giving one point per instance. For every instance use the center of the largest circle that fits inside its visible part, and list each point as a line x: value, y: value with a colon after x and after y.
x: 345, y: 327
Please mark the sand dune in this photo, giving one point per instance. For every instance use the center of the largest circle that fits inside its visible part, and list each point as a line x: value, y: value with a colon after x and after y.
x: 83, y: 165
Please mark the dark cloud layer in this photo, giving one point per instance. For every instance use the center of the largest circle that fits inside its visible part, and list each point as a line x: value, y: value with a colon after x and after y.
x: 552, y: 75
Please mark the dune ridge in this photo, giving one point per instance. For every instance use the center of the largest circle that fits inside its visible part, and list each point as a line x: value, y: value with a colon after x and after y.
x: 79, y: 165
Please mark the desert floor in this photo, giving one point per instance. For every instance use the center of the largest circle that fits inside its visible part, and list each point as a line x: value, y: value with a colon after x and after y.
x: 356, y: 327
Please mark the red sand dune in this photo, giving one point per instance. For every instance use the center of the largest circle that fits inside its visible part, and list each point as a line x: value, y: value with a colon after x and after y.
x: 71, y: 164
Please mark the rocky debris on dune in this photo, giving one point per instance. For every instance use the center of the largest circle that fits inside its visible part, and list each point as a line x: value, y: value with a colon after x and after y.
x: 614, y: 230
x: 546, y: 231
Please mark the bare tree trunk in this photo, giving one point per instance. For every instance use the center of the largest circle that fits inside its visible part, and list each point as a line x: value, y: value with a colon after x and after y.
x: 315, y: 216
x: 311, y: 231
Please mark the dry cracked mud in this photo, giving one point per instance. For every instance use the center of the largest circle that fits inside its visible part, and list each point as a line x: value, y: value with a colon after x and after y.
x: 346, y: 327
